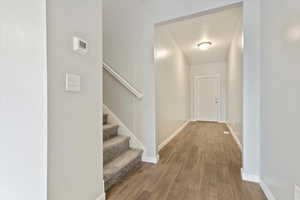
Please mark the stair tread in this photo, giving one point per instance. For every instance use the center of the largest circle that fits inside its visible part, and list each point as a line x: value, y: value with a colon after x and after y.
x: 114, y: 141
x: 110, y: 131
x: 108, y: 126
x: 120, y: 162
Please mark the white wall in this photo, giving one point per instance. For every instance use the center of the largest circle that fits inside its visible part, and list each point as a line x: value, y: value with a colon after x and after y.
x: 170, y: 9
x: 212, y: 69
x: 128, y: 49
x: 280, y: 85
x: 23, y: 100
x: 172, y: 85
x: 74, y: 119
x: 235, y: 84
x: 251, y: 88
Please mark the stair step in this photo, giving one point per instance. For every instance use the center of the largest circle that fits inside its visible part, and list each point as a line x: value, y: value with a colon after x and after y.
x: 105, y: 119
x: 109, y: 131
x: 114, y: 147
x: 117, y: 169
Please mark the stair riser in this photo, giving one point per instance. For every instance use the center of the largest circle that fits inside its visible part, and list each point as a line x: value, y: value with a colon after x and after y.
x: 109, y: 133
x: 131, y: 167
x: 105, y: 119
x: 113, y: 152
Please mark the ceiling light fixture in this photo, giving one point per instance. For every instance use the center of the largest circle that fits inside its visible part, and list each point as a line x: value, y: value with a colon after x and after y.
x: 204, y: 45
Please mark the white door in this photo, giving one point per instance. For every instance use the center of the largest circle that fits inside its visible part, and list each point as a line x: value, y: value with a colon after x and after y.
x: 207, y: 98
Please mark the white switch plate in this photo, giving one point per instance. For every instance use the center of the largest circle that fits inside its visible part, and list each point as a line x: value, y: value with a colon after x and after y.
x: 72, y: 82
x: 297, y: 192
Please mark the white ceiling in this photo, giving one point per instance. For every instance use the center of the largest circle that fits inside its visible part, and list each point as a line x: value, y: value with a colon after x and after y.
x: 219, y: 28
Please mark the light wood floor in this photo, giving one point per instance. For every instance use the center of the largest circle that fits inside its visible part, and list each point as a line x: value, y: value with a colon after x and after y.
x: 201, y: 163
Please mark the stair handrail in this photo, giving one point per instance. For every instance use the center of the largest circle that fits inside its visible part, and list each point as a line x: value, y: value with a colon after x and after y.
x: 122, y: 81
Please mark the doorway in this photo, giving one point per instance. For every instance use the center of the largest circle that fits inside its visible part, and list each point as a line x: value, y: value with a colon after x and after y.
x: 199, y: 71
x: 207, y: 98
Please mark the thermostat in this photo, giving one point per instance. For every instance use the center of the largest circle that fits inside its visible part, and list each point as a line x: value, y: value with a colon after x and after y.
x: 80, y: 46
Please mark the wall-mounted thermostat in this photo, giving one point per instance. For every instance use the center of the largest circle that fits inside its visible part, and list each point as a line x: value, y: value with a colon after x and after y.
x: 80, y: 46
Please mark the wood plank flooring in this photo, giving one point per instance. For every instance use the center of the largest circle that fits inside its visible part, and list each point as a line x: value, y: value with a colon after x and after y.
x: 200, y: 163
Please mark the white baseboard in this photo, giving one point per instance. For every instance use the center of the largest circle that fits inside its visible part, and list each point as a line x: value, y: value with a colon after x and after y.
x: 101, y: 197
x: 234, y: 136
x: 257, y: 179
x: 148, y: 159
x: 250, y: 177
x: 123, y: 130
x: 267, y: 191
x: 164, y: 143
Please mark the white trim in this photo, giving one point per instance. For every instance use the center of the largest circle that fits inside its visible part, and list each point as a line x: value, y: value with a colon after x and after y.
x: 134, y: 142
x: 164, y: 143
x: 250, y: 177
x: 267, y: 191
x: 148, y: 159
x: 44, y: 106
x: 257, y: 179
x: 101, y: 197
x: 205, y: 120
x: 122, y: 80
x: 234, y: 135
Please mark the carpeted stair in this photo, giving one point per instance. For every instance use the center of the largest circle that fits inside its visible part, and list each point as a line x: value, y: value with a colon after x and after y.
x: 118, y: 158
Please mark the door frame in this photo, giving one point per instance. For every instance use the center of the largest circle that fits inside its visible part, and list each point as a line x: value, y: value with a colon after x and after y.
x: 219, y: 92
x: 251, y: 76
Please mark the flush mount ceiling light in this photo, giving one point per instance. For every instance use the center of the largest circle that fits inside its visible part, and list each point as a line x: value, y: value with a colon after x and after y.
x: 204, y: 45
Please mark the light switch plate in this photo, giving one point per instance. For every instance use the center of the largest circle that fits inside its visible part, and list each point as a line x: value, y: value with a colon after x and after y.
x: 72, y: 82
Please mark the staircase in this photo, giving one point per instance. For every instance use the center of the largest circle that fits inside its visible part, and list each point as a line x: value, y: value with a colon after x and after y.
x: 118, y: 158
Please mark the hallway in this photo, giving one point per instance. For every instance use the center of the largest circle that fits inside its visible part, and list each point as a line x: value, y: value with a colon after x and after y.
x: 201, y: 163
